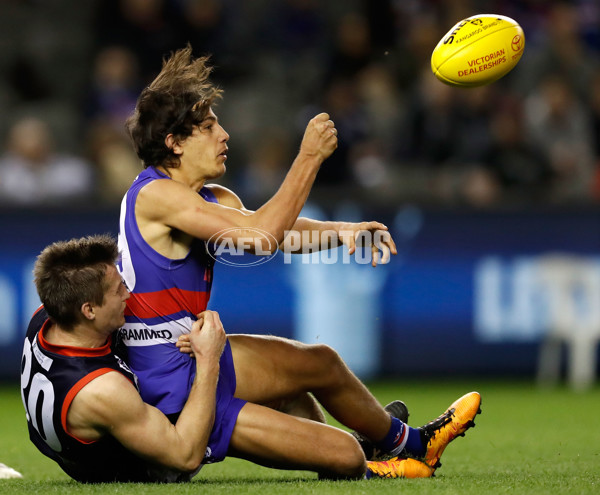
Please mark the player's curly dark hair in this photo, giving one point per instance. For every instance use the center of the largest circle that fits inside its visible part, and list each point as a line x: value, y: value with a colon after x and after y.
x: 177, y: 100
x: 68, y: 274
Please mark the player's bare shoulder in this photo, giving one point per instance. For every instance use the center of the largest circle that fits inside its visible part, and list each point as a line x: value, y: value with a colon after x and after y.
x: 94, y: 407
x: 226, y: 197
x: 163, y: 197
x: 161, y: 190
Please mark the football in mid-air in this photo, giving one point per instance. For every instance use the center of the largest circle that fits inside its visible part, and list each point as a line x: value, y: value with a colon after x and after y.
x: 478, y: 50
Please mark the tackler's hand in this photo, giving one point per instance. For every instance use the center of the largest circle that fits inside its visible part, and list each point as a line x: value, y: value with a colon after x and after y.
x: 184, y: 344
x: 207, y: 337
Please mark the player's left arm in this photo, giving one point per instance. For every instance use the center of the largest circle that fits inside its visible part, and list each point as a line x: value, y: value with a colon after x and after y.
x: 308, y: 235
x: 110, y: 404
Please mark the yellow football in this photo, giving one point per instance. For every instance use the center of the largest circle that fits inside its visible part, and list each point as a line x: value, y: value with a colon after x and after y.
x: 478, y: 50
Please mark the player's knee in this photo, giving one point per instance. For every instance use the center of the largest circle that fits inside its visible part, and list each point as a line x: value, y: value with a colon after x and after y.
x: 326, y: 356
x: 331, y: 364
x: 357, y: 464
x: 354, y: 464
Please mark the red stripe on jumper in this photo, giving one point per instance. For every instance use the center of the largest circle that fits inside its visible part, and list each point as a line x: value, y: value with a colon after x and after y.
x: 166, y: 302
x: 67, y: 350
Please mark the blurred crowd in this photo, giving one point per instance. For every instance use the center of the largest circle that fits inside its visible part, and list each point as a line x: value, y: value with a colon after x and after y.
x: 70, y: 73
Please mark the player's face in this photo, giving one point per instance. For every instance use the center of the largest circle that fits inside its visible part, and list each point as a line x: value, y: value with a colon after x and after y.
x: 206, y: 149
x: 110, y: 315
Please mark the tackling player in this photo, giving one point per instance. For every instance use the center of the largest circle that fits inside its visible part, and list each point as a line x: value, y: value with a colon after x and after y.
x: 84, y: 410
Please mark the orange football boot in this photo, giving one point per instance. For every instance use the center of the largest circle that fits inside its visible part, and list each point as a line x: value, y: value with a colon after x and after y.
x: 400, y: 468
x: 457, y: 419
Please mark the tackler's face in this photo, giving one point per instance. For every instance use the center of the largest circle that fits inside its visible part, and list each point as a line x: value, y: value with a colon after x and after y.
x: 110, y: 315
x: 206, y: 149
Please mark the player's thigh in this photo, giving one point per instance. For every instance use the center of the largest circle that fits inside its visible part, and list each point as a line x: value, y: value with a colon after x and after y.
x: 271, y: 368
x: 275, y: 439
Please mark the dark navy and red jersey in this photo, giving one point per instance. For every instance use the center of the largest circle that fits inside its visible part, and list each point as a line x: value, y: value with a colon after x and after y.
x: 166, y: 296
x: 51, y: 377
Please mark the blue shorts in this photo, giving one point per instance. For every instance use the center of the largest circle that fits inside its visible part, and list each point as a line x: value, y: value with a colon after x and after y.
x: 227, y: 410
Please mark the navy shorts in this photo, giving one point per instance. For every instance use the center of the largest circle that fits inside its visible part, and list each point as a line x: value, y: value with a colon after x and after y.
x: 227, y: 410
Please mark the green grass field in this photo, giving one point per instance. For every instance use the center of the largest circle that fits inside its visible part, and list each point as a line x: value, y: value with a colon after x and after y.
x: 527, y: 440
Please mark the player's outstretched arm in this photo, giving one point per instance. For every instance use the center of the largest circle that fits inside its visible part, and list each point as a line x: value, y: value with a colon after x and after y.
x: 308, y: 235
x: 110, y: 404
x: 176, y: 205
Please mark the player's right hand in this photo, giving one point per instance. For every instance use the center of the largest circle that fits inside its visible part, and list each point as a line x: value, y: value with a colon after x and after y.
x: 320, y: 137
x: 207, y: 336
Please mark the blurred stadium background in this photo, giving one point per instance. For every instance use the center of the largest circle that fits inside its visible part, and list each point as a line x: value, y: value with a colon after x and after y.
x: 492, y: 194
